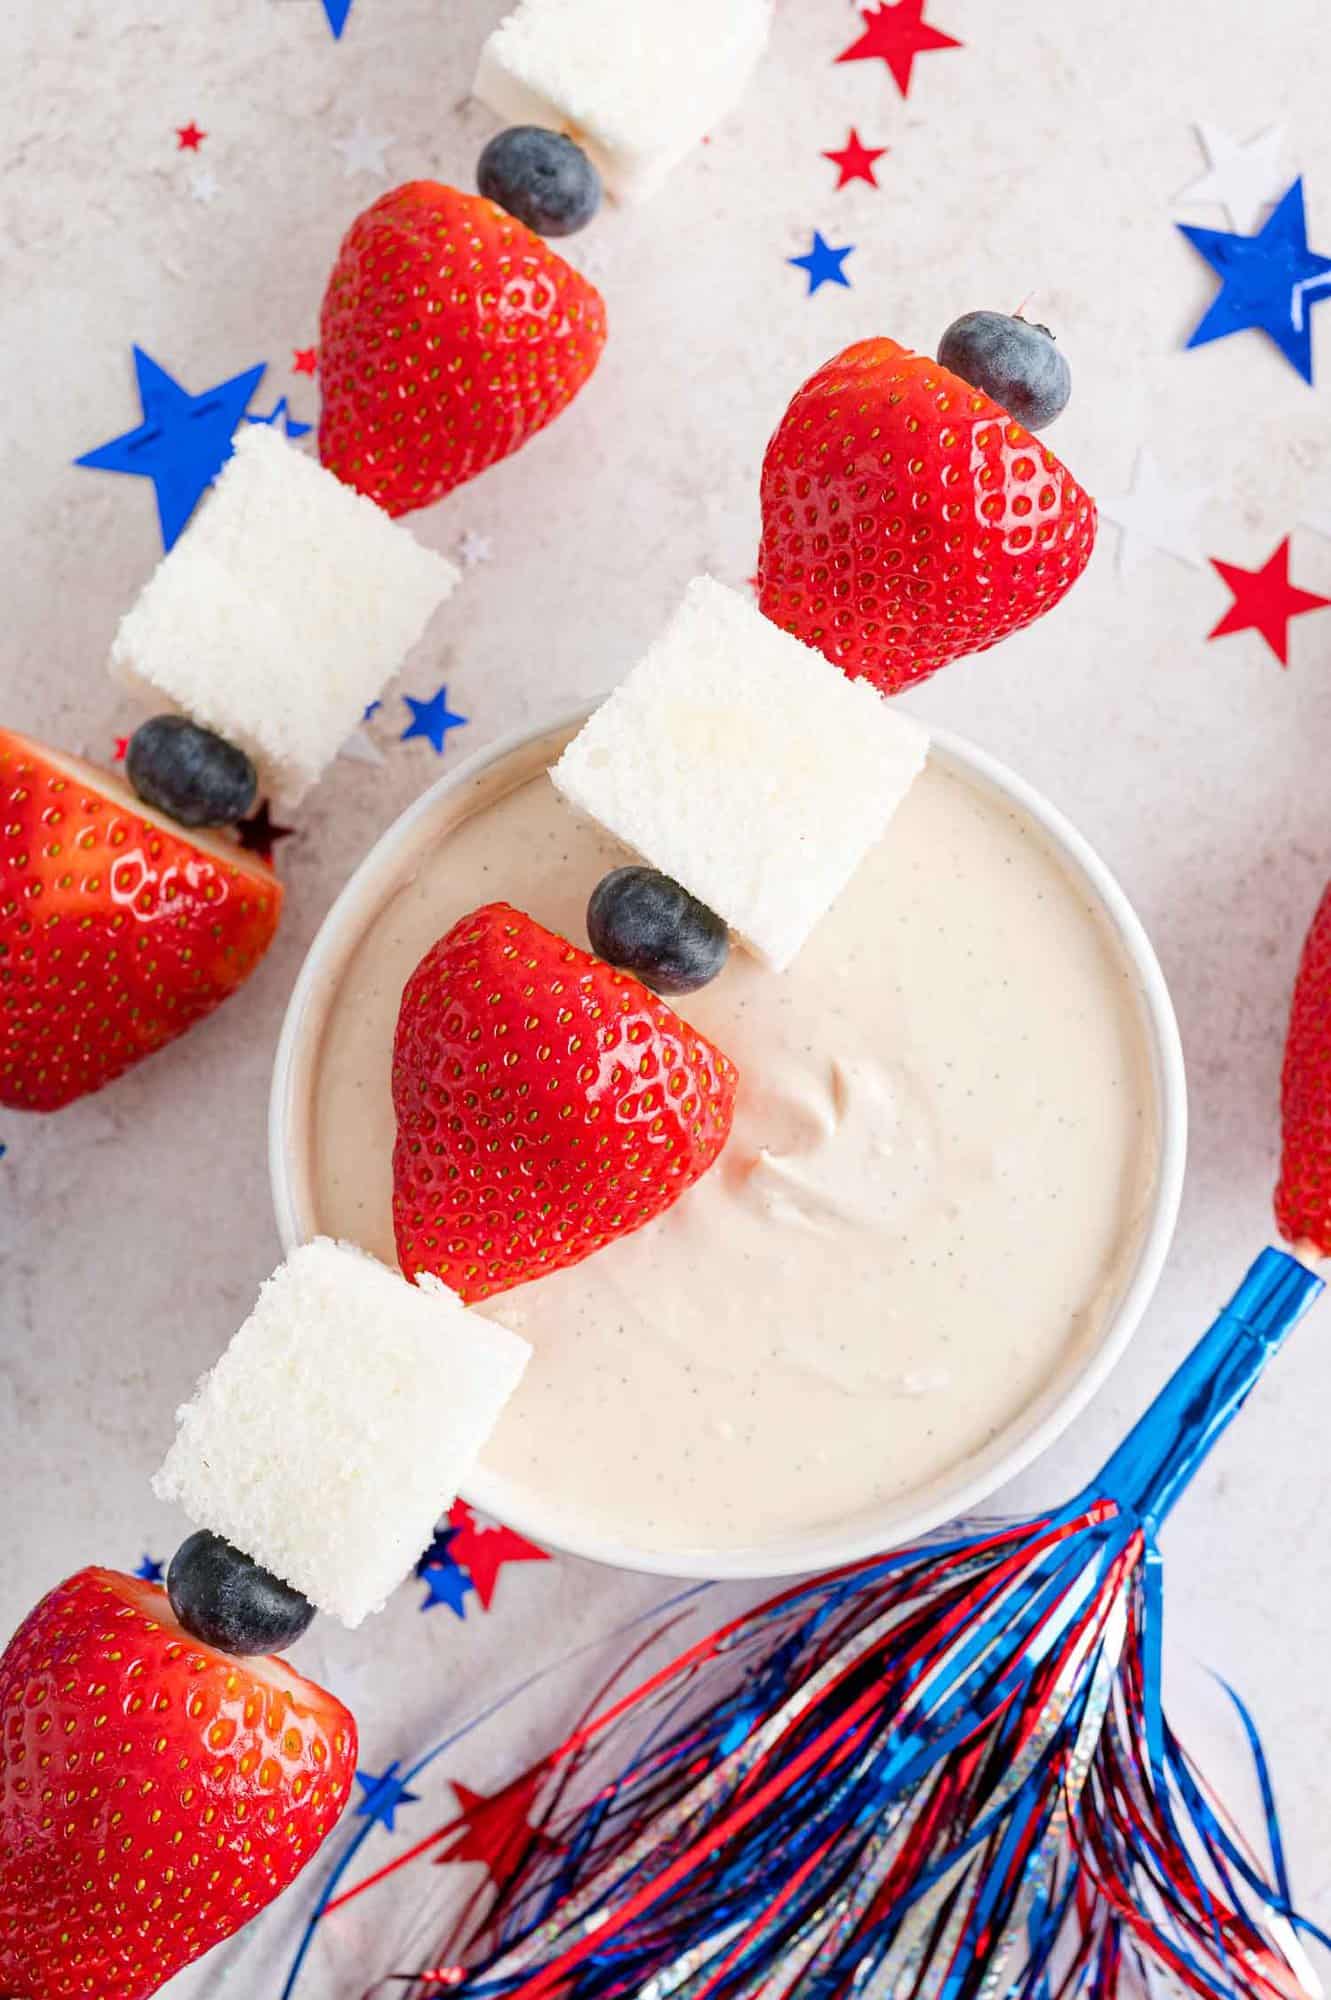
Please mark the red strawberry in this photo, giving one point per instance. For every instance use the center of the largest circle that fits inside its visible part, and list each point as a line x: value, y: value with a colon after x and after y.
x: 908, y: 519
x: 450, y: 335
x: 546, y: 1104
x: 154, y: 1794
x: 117, y: 929
x: 1303, y: 1195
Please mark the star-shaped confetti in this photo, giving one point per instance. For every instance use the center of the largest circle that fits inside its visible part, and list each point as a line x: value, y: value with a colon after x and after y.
x: 823, y: 264
x: 363, y: 151
x: 1245, y: 179
x: 473, y: 549
x: 150, y: 1570
x: 120, y: 748
x: 446, y: 1583
x: 189, y: 138
x: 260, y: 833
x: 1155, y: 515
x: 337, y: 11
x: 204, y: 187
x: 496, y: 1831
x: 483, y: 1550
x: 1269, y: 282
x: 1264, y: 601
x: 304, y: 360
x: 281, y: 417
x: 183, y: 441
x: 439, y: 1554
x: 896, y: 35
x: 361, y: 748
x: 854, y: 161
x: 384, y: 1794
x: 431, y: 719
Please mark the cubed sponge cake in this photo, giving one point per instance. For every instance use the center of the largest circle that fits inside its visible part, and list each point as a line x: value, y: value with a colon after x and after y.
x: 636, y: 82
x: 338, y: 1424
x: 281, y: 612
x: 744, y: 765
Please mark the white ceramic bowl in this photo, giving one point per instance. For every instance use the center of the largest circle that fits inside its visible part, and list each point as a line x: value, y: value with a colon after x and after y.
x: 912, y: 1514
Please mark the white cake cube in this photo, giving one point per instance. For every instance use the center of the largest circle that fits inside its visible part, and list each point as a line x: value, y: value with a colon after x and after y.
x: 281, y: 612
x: 746, y: 766
x: 636, y: 82
x: 338, y: 1424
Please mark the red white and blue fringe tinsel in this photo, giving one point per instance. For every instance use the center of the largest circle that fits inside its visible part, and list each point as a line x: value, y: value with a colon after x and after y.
x: 941, y: 1774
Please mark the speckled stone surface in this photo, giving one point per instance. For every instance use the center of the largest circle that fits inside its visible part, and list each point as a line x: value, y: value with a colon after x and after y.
x: 1041, y: 160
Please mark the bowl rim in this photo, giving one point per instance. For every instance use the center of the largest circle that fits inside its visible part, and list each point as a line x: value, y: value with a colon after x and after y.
x: 944, y: 1499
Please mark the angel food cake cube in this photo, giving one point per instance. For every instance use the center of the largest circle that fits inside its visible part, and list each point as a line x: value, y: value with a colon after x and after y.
x: 281, y: 613
x: 636, y: 85
x: 743, y: 764
x: 337, y: 1426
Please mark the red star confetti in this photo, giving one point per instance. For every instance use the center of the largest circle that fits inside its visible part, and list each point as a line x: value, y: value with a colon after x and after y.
x: 484, y: 1551
x: 496, y: 1831
x: 855, y: 161
x: 260, y: 833
x: 121, y: 749
x: 896, y: 35
x: 189, y: 138
x: 304, y: 360
x: 1264, y: 601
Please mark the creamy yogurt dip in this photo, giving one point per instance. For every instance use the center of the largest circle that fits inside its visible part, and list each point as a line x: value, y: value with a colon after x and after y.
x: 941, y: 1168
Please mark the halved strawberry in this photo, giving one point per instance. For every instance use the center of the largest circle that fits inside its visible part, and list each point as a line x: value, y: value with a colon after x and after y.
x: 908, y: 518
x: 450, y: 334
x: 546, y: 1104
x: 1303, y: 1195
x: 155, y: 1795
x: 118, y: 930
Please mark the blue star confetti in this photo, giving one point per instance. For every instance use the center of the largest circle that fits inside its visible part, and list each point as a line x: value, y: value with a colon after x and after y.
x: 432, y: 719
x: 1268, y: 282
x: 183, y: 441
x: 438, y: 1555
x: 337, y: 11
x: 149, y: 1570
x: 446, y: 1583
x: 823, y: 264
x: 281, y: 416
x: 383, y: 1795
x: 443, y: 1575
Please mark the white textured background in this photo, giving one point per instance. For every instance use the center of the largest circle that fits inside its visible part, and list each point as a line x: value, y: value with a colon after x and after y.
x: 1041, y: 159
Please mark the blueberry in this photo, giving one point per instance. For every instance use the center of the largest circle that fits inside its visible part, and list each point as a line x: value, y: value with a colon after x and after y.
x: 230, y: 1601
x: 197, y: 777
x: 542, y: 178
x: 641, y: 920
x: 1015, y: 362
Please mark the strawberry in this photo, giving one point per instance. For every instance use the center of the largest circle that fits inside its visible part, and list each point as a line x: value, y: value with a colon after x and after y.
x: 154, y: 1794
x: 908, y: 519
x: 1303, y: 1195
x: 117, y: 929
x: 546, y: 1104
x: 450, y: 335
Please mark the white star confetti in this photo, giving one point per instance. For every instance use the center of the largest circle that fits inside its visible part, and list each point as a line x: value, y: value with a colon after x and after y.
x: 1245, y: 178
x: 473, y: 549
x: 1155, y: 515
x: 204, y: 186
x: 361, y: 748
x: 363, y: 151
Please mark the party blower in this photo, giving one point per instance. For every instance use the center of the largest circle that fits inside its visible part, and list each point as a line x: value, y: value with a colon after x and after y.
x: 941, y: 1773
